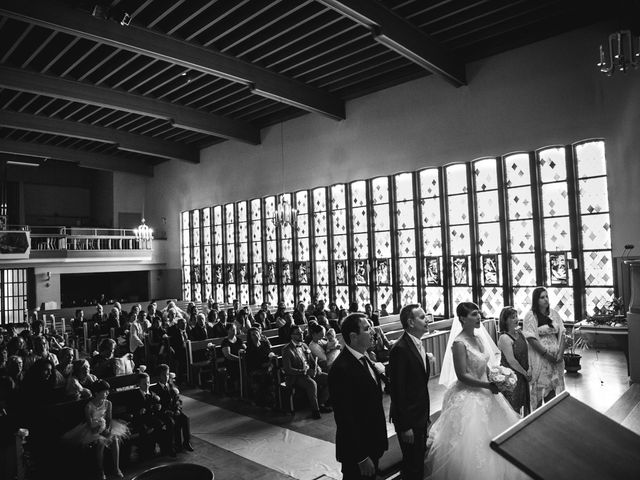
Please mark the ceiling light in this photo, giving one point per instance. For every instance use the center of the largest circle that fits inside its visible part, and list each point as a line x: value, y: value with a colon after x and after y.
x: 23, y: 164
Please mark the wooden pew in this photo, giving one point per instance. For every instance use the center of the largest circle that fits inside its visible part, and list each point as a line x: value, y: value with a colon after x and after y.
x: 198, y: 360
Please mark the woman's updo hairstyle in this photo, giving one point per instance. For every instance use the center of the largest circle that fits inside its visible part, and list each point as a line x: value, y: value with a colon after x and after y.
x: 464, y: 309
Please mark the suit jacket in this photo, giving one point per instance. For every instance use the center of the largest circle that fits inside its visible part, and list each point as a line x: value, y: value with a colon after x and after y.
x: 293, y: 359
x: 357, y: 405
x: 169, y: 399
x: 409, y: 392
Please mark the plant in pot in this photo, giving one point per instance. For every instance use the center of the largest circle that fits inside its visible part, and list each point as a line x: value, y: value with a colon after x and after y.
x: 574, y: 343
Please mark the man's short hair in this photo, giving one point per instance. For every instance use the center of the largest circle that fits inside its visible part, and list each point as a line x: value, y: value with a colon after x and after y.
x: 351, y: 324
x: 406, y: 313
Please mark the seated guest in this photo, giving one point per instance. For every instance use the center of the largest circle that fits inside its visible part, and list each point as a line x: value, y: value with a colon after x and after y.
x: 284, y: 332
x: 383, y: 310
x: 260, y: 367
x: 178, y: 336
x: 299, y: 316
x: 332, y: 313
x: 368, y: 310
x: 77, y: 323
x: 66, y: 356
x: 242, y: 321
x: 270, y: 319
x: 79, y: 382
x: 353, y: 307
x: 261, y: 318
x: 14, y: 369
x: 302, y: 371
x: 38, y: 385
x: 40, y: 350
x: 147, y: 421
x: 154, y: 339
x: 332, y: 347
x: 320, y: 311
x: 136, y: 337
x: 152, y: 312
x: 97, y: 320
x: 212, y: 314
x: 317, y: 345
x: 279, y: 316
x: 113, y: 322
x: 199, y: 330
x: 231, y: 347
x: 17, y: 346
x: 218, y: 329
x: 173, y: 417
x: 103, y: 364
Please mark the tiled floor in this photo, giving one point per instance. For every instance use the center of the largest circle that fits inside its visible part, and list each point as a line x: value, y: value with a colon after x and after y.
x: 602, y: 380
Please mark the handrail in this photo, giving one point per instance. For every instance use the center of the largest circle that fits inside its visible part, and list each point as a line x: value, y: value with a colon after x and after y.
x: 59, y: 238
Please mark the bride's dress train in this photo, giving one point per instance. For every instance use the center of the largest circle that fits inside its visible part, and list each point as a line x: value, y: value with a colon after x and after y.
x: 470, y: 418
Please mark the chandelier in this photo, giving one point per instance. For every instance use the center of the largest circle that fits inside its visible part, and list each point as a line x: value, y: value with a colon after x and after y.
x: 285, y: 213
x: 144, y: 232
x: 623, y: 53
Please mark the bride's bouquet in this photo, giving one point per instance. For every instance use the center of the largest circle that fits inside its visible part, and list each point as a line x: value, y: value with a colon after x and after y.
x: 504, y: 378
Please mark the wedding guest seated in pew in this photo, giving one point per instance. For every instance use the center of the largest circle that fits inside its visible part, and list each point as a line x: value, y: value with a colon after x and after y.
x: 317, y: 345
x: 242, y: 321
x: 284, y: 331
x: 260, y: 368
x: 176, y: 421
x: 218, y: 328
x: 199, y: 330
x: 154, y: 340
x: 261, y: 319
x: 39, y: 386
x: 319, y: 310
x: 269, y: 318
x: 147, y: 420
x: 231, y: 347
x: 383, y: 310
x: 213, y: 310
x: 302, y: 371
x: 332, y: 347
x: 280, y: 314
x: 136, y: 336
x: 103, y: 364
x: 14, y: 370
x: 299, y: 316
x: 112, y: 322
x: 79, y: 383
x: 17, y: 346
x: 77, y: 323
x: 178, y: 335
x: 40, y: 350
x: 66, y: 356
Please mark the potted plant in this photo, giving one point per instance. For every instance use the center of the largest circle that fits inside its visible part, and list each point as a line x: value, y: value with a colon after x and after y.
x: 574, y: 343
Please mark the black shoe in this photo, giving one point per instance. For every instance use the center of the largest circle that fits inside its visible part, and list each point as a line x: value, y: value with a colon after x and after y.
x: 187, y: 446
x: 316, y: 415
x: 325, y: 409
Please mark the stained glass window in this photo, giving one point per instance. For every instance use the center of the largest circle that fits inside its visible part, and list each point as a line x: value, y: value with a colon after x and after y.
x: 459, y: 234
x: 207, y: 256
x: 256, y: 251
x: 489, y: 235
x: 196, y: 257
x: 359, y: 212
x: 242, y: 265
x: 593, y: 207
x: 432, y: 268
x: 320, y: 268
x: 406, y: 238
x: 186, y: 255
x: 271, y: 251
x: 230, y: 271
x: 382, y: 247
x: 340, y: 241
x: 557, y: 228
x: 218, y: 251
x: 302, y: 268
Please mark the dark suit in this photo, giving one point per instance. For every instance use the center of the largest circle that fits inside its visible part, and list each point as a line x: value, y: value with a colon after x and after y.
x: 178, y: 425
x: 410, y: 403
x: 357, y: 405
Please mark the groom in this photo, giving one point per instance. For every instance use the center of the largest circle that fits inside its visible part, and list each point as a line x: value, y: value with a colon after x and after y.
x: 409, y: 374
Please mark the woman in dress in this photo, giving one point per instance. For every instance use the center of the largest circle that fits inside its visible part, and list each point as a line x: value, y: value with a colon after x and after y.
x: 231, y: 347
x: 100, y: 429
x: 544, y: 330
x: 79, y: 382
x: 260, y: 368
x: 472, y: 412
x: 515, y: 355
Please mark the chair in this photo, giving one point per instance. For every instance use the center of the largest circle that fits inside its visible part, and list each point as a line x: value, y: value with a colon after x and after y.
x: 189, y: 471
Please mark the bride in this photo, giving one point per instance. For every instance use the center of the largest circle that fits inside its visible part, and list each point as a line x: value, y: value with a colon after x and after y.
x: 472, y: 410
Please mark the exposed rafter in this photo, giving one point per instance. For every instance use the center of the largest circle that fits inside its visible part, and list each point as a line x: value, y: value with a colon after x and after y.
x: 125, y: 141
x: 402, y: 37
x: 179, y: 116
x: 261, y: 81
x: 93, y: 160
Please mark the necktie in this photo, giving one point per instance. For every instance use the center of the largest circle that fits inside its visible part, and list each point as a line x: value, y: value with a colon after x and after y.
x: 368, y: 366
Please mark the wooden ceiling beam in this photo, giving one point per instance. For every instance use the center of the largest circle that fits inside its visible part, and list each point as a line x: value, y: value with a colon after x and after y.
x: 261, y: 81
x: 97, y: 161
x: 125, y: 141
x: 401, y: 36
x: 179, y: 116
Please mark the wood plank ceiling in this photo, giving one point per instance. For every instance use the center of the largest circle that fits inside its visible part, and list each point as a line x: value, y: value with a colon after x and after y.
x: 76, y: 85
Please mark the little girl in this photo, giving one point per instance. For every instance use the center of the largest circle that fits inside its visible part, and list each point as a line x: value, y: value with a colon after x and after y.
x: 332, y: 347
x: 99, y: 429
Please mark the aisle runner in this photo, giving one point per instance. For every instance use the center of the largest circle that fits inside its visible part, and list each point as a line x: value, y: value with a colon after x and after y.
x: 295, y: 454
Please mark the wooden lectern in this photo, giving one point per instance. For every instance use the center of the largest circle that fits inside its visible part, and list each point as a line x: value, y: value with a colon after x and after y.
x: 566, y: 439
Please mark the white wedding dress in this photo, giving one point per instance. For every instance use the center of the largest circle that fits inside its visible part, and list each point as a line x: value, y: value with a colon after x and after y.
x: 471, y: 417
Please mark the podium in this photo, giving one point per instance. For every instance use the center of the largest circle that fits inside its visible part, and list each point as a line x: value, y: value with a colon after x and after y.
x: 566, y: 439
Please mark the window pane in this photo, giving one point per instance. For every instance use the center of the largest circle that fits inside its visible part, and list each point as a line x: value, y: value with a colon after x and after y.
x: 596, y: 231
x: 593, y: 195
x: 591, y: 159
x: 486, y: 175
x: 429, y: 183
x: 553, y: 166
x: 456, y: 179
x: 520, y: 203
x: 404, y: 186
x: 517, y: 169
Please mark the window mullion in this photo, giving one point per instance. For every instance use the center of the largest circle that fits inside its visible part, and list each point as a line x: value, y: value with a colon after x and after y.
x: 447, y: 271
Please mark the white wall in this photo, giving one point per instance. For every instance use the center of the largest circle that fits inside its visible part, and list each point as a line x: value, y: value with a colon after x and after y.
x: 546, y: 93
x: 128, y: 194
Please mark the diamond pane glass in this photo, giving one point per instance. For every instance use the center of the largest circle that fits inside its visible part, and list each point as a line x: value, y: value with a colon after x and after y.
x: 521, y: 236
x: 591, y: 159
x: 320, y: 223
x: 456, y: 178
x: 597, y: 298
x: 230, y: 231
x: 270, y: 230
x: 434, y: 300
x: 287, y: 250
x: 303, y: 249
x: 319, y: 200
x: 381, y: 217
x: 432, y: 241
x: 242, y: 232
x: 195, y: 237
x: 272, y: 294
x: 361, y: 245
x: 217, y: 215
x: 383, y: 244
x: 429, y: 183
x: 206, y: 236
x: 228, y: 213
x: 340, y: 247
x: 459, y: 239
x: 523, y: 269
x: 220, y: 293
x: 408, y: 273
x: 557, y: 234
x: 552, y: 164
x: 487, y: 207
x: 380, y: 187
x: 491, y: 301
x: 561, y: 300
x: 461, y: 294
x: 517, y: 169
x: 555, y: 200
x: 218, y: 252
x: 257, y: 273
x: 302, y: 203
x: 362, y: 295
x: 185, y: 220
x: 404, y: 186
x: 596, y: 231
x: 242, y: 211
x: 288, y: 296
x: 358, y: 194
x: 489, y: 238
x: 339, y: 222
x: 244, y: 294
x: 522, y: 299
x: 342, y: 295
x: 243, y: 253
x: 337, y: 197
x: 231, y: 254
x: 404, y: 215
x: 486, y: 175
x: 197, y: 295
x: 593, y: 195
x: 430, y: 212
x: 384, y: 296
x: 302, y: 227
x: 458, y: 206
x: 406, y: 243
x: 208, y: 291
x: 272, y: 251
x: 408, y: 295
x: 205, y: 214
x: 286, y: 231
x: 257, y: 295
x: 520, y: 203
x: 359, y: 219
x: 256, y: 231
x: 598, y: 268
x: 322, y: 293
x: 270, y: 207
x: 321, y: 248
x: 256, y: 209
x: 231, y: 292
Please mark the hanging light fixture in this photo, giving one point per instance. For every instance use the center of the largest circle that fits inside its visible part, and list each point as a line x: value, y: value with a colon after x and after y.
x: 623, y: 53
x: 285, y: 213
x: 143, y: 233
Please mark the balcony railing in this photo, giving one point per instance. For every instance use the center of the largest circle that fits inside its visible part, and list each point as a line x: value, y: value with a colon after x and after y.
x: 84, y: 239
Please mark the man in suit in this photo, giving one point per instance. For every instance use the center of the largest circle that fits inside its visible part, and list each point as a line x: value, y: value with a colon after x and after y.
x: 409, y: 374
x: 356, y: 396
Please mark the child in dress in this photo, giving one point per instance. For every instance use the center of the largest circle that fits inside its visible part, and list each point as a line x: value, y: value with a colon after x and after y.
x: 99, y: 429
x: 332, y: 347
